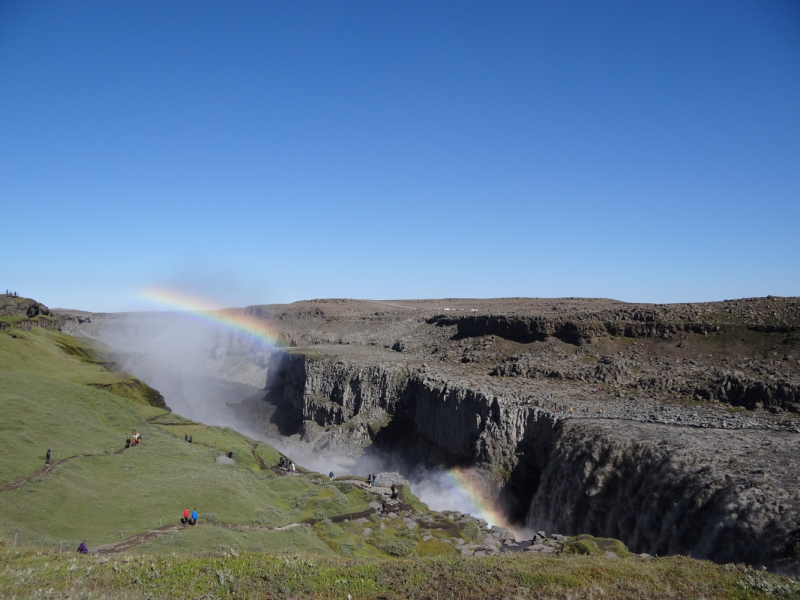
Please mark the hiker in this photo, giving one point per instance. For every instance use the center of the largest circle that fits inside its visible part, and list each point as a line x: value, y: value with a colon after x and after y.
x: 190, y: 439
x: 185, y: 519
x: 394, y: 492
x: 82, y: 548
x: 293, y: 469
x: 47, y: 459
x: 128, y: 442
x: 374, y: 477
x: 330, y: 476
x: 194, y: 517
x: 185, y: 437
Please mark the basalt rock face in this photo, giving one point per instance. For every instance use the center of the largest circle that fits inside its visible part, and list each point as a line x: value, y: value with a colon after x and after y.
x: 719, y: 495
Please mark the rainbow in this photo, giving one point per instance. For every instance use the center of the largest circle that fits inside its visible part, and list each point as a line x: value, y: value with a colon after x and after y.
x: 204, y: 310
x: 485, y: 506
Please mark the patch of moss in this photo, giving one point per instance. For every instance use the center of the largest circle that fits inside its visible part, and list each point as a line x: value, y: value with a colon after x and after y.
x: 589, y: 545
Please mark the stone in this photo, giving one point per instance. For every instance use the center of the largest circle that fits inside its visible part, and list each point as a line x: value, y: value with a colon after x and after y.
x: 366, y: 531
x: 224, y: 460
x: 412, y: 526
x: 610, y: 555
x: 362, y: 520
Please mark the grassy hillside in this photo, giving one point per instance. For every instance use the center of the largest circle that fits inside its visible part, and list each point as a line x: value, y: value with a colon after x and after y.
x: 256, y: 575
x: 56, y: 393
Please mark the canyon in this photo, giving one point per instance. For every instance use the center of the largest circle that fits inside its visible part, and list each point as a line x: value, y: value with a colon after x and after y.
x: 671, y: 427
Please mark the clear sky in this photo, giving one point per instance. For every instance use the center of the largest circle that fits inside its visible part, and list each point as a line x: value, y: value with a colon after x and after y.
x: 260, y: 152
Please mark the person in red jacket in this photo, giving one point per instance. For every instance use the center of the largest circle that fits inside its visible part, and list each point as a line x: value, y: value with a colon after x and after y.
x: 185, y: 518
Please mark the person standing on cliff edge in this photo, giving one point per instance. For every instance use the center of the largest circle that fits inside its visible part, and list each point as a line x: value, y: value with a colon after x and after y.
x: 47, y: 458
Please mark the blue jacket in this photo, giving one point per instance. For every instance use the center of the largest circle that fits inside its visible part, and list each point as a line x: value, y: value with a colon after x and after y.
x: 194, y: 515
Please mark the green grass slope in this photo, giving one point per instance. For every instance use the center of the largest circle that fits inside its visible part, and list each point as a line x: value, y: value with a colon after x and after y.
x: 224, y: 574
x: 55, y: 393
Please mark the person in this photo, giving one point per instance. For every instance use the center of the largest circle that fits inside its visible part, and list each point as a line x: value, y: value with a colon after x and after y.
x: 128, y: 442
x: 374, y: 477
x: 194, y: 517
x: 82, y: 548
x: 47, y: 458
x: 190, y: 439
x: 293, y: 469
x: 185, y: 437
x: 185, y: 519
x: 394, y: 492
x: 330, y: 476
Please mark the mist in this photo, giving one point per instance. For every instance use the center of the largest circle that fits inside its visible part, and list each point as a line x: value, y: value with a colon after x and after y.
x: 204, y: 369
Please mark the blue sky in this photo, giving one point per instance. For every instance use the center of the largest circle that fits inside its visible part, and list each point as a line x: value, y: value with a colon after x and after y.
x: 258, y: 152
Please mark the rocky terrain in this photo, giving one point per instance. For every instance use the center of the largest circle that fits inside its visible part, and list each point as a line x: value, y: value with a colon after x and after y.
x: 671, y: 427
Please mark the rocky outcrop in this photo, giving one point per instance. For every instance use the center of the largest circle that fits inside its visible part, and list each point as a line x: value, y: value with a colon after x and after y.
x: 15, y: 306
x: 770, y: 386
x: 44, y: 323
x: 719, y: 495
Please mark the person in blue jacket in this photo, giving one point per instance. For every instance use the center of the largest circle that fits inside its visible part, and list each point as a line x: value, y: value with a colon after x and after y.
x: 194, y: 517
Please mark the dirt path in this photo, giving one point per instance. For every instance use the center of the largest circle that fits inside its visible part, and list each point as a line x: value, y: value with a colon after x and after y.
x: 40, y: 473
x: 152, y: 534
x: 381, y: 494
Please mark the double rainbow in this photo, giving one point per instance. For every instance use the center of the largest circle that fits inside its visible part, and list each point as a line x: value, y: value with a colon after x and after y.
x: 203, y: 310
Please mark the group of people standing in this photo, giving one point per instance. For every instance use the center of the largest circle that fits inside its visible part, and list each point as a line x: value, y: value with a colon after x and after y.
x: 189, y: 519
x: 287, y: 464
x: 133, y: 441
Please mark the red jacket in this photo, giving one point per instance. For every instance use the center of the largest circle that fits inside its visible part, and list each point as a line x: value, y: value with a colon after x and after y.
x: 186, y: 514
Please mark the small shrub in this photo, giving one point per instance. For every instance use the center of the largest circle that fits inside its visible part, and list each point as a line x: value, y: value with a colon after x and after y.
x: 330, y: 507
x: 395, y: 547
x: 302, y: 529
x: 207, y: 517
x: 470, y: 532
x: 348, y: 547
x: 330, y: 529
x: 344, y: 487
